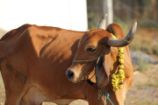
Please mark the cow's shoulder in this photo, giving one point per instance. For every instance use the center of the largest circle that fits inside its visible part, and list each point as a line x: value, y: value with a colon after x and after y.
x: 9, y: 42
x: 15, y: 32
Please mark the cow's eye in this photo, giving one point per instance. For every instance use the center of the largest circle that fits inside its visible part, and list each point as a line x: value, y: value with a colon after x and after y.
x: 91, y: 49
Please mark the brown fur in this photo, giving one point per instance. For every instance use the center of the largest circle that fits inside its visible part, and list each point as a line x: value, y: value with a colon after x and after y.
x: 34, y: 60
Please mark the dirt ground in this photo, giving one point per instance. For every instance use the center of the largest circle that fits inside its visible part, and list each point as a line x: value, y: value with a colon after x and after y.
x: 145, y: 88
x: 2, y: 95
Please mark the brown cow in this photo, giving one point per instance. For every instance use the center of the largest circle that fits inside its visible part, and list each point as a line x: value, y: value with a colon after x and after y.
x: 33, y: 61
x: 96, y: 46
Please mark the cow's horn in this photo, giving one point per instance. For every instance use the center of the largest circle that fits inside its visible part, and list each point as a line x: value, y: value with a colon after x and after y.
x: 126, y: 40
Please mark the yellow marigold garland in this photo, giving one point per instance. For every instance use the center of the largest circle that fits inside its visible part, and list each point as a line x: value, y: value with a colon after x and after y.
x: 119, y: 76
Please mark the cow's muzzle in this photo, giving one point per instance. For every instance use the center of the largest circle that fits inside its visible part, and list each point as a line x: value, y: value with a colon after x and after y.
x: 69, y: 74
x: 73, y: 74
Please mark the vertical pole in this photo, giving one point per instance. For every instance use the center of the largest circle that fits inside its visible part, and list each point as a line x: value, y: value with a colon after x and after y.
x: 107, y: 13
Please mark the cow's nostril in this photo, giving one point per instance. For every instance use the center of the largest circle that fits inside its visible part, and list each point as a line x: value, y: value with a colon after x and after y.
x: 69, y: 74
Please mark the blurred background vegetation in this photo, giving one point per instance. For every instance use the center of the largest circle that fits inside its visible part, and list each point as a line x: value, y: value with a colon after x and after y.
x: 144, y: 48
x: 124, y: 13
x: 145, y: 11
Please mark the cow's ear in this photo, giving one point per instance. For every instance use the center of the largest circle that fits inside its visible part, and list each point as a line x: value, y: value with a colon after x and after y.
x: 102, y: 79
x: 115, y: 29
x: 102, y: 74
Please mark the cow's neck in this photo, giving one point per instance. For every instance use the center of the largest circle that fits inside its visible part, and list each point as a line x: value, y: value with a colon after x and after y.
x: 107, y: 65
x: 111, y: 61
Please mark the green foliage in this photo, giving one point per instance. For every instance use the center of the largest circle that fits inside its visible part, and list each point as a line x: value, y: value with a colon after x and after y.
x: 93, y: 20
x: 148, y: 24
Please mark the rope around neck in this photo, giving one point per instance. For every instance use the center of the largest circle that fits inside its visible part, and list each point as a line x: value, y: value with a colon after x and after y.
x: 109, y: 99
x: 119, y: 76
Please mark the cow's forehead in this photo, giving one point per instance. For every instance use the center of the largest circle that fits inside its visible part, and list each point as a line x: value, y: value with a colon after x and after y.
x: 98, y: 33
x: 94, y: 35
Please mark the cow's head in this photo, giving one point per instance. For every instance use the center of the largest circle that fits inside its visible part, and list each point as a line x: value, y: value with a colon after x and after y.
x: 92, y: 45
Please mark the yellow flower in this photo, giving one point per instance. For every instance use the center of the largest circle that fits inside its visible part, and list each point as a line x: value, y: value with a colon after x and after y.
x: 121, y: 56
x: 121, y: 61
x: 121, y: 67
x: 119, y: 76
x: 121, y: 50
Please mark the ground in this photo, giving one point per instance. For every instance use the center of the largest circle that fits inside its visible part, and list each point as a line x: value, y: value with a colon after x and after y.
x: 2, y: 95
x: 145, y: 88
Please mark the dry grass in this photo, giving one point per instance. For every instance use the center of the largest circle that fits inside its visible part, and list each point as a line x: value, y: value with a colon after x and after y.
x: 146, y: 40
x: 145, y: 88
x: 2, y: 95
